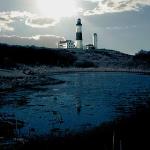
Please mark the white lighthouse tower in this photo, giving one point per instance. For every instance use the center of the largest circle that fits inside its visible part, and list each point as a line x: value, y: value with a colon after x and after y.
x: 79, y: 42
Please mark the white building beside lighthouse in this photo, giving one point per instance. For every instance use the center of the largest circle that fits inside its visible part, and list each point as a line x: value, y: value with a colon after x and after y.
x: 66, y: 44
x: 79, y: 42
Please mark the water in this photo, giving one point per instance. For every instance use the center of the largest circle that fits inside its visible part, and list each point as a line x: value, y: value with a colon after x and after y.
x: 84, y: 101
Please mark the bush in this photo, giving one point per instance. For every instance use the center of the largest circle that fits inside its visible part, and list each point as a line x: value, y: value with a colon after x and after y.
x: 143, y: 55
x: 85, y: 64
x: 35, y: 55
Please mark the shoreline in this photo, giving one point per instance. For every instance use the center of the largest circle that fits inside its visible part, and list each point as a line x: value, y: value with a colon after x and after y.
x: 32, y: 76
x: 46, y: 71
x: 74, y: 70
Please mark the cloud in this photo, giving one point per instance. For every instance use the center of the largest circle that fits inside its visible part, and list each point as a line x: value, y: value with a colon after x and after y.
x: 120, y: 27
x: 4, y: 25
x: 7, y: 18
x: 115, y: 6
x: 39, y: 22
x: 32, y: 20
x: 49, y: 41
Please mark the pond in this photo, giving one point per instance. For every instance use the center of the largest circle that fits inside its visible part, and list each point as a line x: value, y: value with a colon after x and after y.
x: 84, y: 101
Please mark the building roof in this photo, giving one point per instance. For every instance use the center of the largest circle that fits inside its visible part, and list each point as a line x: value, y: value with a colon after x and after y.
x: 61, y: 42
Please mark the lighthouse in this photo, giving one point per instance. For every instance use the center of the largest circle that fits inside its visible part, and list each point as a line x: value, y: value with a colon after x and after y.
x: 79, y: 43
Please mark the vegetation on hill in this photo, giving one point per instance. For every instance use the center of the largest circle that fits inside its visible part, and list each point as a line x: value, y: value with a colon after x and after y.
x: 31, y: 55
x: 143, y: 56
x: 11, y: 55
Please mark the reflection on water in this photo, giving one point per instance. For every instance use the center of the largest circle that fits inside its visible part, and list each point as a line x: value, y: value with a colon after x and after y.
x: 84, y: 101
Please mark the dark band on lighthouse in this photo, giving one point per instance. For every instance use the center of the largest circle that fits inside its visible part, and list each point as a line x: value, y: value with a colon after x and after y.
x: 79, y: 39
x: 78, y: 36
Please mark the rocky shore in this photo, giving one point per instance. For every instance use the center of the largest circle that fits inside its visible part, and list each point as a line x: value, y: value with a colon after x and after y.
x: 15, y: 79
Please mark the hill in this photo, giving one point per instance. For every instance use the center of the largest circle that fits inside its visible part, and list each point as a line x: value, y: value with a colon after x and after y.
x: 31, y: 55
